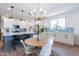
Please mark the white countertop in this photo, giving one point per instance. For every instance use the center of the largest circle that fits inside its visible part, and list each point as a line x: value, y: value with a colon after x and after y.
x: 17, y: 33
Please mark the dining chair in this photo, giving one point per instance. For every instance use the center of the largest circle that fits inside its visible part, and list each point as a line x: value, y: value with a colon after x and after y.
x: 47, y: 49
x: 28, y: 49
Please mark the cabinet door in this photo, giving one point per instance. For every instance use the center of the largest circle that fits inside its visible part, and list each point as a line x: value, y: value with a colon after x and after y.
x: 8, y: 41
x: 69, y: 39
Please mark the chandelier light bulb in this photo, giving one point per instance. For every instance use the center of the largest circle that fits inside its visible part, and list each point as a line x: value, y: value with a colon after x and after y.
x: 32, y: 14
x: 34, y: 10
x: 45, y: 11
x: 41, y: 9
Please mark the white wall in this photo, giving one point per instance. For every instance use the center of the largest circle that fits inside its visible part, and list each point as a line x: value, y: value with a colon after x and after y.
x: 73, y: 20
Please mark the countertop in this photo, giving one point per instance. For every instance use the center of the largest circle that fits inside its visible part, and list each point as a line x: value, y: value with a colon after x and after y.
x: 17, y: 33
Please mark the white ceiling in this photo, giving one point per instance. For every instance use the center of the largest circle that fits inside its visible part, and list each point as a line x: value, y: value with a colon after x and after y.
x: 51, y: 8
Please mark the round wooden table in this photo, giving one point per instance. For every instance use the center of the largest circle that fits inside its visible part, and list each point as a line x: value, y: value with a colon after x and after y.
x: 35, y: 42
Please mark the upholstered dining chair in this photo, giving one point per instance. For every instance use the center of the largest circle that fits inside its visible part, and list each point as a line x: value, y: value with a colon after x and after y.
x: 47, y: 49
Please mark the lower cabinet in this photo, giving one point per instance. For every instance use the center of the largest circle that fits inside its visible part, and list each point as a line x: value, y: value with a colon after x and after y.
x: 66, y: 38
x: 10, y: 42
x: 7, y: 42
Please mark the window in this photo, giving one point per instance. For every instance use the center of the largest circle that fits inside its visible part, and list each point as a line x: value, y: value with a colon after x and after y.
x: 53, y: 24
x: 58, y: 23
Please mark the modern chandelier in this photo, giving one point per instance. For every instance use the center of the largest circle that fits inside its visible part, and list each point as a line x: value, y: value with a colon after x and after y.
x: 38, y: 14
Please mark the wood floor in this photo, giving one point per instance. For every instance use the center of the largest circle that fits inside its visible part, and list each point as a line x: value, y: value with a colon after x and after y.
x: 1, y: 44
x: 64, y: 50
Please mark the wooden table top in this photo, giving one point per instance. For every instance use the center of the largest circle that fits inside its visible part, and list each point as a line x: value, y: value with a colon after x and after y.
x: 34, y: 42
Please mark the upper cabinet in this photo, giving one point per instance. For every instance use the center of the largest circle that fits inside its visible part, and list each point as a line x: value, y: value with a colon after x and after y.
x: 8, y: 23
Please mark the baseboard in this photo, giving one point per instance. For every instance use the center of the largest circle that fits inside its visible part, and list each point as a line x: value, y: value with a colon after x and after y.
x: 64, y: 44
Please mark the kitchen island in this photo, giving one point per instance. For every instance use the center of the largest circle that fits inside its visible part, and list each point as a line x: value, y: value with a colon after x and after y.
x: 10, y: 40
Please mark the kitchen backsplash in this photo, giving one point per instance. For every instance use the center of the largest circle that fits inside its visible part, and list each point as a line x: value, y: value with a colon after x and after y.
x: 68, y: 30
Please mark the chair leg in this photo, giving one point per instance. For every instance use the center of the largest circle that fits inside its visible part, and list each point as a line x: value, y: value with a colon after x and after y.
x: 52, y: 54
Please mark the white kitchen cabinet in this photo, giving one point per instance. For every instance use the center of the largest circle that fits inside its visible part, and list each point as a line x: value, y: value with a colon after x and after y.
x: 66, y: 38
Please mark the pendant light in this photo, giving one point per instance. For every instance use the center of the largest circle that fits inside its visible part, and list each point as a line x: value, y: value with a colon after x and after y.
x: 11, y: 17
x: 22, y: 11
